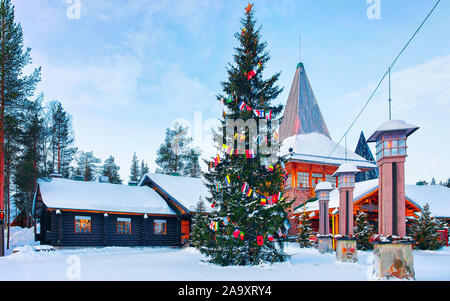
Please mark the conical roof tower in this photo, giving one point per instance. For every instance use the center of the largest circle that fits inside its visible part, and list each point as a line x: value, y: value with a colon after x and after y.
x: 363, y: 150
x: 302, y: 114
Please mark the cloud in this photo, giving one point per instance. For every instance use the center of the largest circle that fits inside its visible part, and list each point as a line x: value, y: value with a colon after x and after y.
x: 95, y: 82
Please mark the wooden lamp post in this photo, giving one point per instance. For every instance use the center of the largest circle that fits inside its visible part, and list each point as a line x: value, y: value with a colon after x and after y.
x: 345, y: 244
x: 390, y: 140
x: 393, y: 250
x: 325, y: 243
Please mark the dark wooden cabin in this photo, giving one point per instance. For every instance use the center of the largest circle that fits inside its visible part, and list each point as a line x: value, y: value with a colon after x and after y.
x: 72, y: 213
x: 182, y: 194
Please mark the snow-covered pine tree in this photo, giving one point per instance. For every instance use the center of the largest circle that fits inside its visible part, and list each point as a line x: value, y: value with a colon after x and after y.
x: 200, y: 234
x: 134, y: 169
x: 304, y: 232
x: 87, y: 165
x: 192, y: 166
x: 28, y: 165
x: 424, y: 231
x: 15, y: 89
x: 144, y: 169
x: 363, y: 232
x: 111, y: 170
x: 245, y: 230
x: 171, y: 155
x: 61, y: 139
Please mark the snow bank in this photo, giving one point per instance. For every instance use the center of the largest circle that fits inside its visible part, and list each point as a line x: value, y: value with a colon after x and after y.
x: 171, y: 264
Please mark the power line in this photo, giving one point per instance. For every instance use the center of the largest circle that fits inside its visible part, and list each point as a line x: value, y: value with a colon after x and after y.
x: 382, y: 79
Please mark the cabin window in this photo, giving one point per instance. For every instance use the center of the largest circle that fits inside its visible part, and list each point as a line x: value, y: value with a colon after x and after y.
x: 303, y: 179
x: 123, y: 225
x: 160, y: 226
x: 82, y: 224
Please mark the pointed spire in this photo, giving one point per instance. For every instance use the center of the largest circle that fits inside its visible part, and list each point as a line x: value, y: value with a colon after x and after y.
x: 363, y: 150
x: 302, y: 113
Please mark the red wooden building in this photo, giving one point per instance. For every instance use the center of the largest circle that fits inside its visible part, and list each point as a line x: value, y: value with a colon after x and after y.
x: 307, y: 145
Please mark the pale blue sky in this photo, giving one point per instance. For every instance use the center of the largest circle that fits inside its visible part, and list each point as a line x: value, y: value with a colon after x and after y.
x: 127, y: 69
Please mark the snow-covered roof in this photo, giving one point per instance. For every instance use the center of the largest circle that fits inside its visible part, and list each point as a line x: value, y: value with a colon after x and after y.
x: 393, y: 125
x: 316, y: 148
x: 185, y: 190
x: 70, y: 194
x: 346, y: 167
x: 324, y: 186
x: 437, y: 196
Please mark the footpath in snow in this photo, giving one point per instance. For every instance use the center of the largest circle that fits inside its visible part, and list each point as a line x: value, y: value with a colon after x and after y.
x: 122, y: 263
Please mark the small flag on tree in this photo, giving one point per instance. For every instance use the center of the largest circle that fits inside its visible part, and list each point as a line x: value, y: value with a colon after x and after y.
x: 242, y: 235
x: 270, y: 238
x: 242, y: 105
x: 260, y: 240
x: 279, y: 232
x: 287, y: 225
x: 263, y: 201
x: 227, y: 178
x: 249, y: 192
x: 244, y: 187
x: 236, y: 233
x: 251, y: 74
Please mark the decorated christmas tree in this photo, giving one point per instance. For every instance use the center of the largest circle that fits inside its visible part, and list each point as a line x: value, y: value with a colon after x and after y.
x: 304, y: 231
x: 246, y: 178
x: 424, y: 231
x: 363, y: 232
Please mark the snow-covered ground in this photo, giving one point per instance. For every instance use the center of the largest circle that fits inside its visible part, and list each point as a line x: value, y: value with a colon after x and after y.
x: 121, y: 263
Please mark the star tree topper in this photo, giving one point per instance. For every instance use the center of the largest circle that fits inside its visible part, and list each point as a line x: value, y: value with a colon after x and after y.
x: 248, y: 9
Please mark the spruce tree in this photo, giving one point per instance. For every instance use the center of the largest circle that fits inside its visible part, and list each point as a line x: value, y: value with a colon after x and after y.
x: 304, y: 232
x: 248, y: 224
x: 61, y: 139
x: 363, y: 232
x: 424, y: 231
x: 199, y: 234
x: 192, y: 166
x: 171, y: 155
x: 87, y: 165
x: 111, y: 170
x: 15, y: 87
x: 134, y: 169
x: 144, y: 169
x: 28, y: 168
